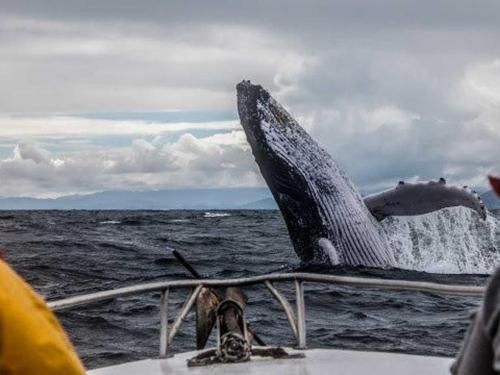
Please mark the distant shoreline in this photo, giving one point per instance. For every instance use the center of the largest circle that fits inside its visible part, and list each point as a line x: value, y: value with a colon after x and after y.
x: 167, y: 200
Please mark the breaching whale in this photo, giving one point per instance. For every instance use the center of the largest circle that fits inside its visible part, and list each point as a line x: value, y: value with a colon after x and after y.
x: 326, y: 217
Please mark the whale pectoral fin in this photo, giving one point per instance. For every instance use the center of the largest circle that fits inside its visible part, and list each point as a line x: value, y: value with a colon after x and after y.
x: 330, y: 251
x: 379, y: 212
x: 409, y: 199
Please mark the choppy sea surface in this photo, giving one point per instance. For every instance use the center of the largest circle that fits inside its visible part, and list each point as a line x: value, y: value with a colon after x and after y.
x: 65, y: 253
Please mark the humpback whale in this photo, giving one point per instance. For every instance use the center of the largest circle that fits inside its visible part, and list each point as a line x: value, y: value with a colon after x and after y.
x: 327, y: 218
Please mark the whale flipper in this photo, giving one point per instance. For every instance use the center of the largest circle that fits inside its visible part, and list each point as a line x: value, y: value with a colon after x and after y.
x: 325, y: 215
x: 408, y: 199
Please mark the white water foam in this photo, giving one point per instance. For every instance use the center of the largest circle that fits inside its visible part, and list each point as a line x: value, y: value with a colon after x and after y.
x: 453, y: 241
x: 216, y: 214
x: 110, y: 222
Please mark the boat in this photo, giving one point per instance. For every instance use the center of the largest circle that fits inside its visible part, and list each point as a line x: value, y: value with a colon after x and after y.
x: 297, y: 359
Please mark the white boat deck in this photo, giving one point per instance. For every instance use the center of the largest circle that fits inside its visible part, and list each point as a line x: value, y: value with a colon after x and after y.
x: 317, y: 361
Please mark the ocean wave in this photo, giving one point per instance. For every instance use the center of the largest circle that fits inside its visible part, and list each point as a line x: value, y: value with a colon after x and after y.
x: 133, y: 221
x: 216, y: 214
x: 110, y: 222
x: 453, y: 241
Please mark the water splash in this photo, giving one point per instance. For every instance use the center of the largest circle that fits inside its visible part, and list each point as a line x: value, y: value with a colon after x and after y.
x: 216, y: 214
x: 452, y: 240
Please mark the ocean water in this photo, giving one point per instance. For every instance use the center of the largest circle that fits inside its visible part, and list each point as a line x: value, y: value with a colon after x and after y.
x: 65, y: 253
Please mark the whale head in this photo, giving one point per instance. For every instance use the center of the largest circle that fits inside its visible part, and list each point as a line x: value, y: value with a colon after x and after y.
x: 276, y: 139
x: 324, y: 214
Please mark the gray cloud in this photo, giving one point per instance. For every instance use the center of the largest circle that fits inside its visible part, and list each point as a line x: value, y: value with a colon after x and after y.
x: 393, y: 89
x: 387, y: 112
x: 291, y: 13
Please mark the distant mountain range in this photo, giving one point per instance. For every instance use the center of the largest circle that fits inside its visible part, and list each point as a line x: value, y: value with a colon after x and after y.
x: 190, y: 199
x: 241, y: 198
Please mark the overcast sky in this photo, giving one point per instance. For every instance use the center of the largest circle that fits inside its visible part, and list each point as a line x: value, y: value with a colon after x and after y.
x: 122, y: 94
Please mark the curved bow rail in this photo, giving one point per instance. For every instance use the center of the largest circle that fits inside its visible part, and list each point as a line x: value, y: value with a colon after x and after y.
x: 296, y: 319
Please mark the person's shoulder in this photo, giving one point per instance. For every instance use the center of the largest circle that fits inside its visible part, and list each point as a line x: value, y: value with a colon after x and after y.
x: 9, y: 277
x: 491, y: 300
x: 16, y: 291
x: 7, y: 274
x: 494, y: 280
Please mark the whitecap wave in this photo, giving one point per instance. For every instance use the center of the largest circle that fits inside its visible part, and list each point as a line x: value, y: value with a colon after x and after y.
x: 110, y: 222
x: 216, y: 214
x: 179, y: 221
x: 453, y: 240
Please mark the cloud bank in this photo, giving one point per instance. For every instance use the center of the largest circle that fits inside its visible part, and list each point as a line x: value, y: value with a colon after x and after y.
x: 221, y: 160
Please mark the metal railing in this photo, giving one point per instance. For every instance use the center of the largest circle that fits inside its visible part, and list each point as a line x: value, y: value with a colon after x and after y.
x: 296, y: 319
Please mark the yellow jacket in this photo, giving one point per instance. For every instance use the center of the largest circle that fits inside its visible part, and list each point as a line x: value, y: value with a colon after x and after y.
x: 32, y: 342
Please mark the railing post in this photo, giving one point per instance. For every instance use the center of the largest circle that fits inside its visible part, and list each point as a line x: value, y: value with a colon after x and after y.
x: 184, y: 311
x: 164, y: 323
x: 290, y: 315
x: 301, y: 314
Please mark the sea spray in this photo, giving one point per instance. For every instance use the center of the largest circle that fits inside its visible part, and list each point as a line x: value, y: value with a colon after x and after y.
x: 452, y: 240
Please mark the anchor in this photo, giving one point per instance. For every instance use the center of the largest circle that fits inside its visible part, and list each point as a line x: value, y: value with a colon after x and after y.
x: 234, y: 336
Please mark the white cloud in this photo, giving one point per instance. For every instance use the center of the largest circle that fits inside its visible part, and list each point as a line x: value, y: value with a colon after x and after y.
x: 481, y: 85
x: 27, y: 151
x: 222, y: 160
x: 19, y: 127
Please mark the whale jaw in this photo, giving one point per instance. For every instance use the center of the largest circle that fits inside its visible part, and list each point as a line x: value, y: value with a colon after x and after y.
x: 325, y: 215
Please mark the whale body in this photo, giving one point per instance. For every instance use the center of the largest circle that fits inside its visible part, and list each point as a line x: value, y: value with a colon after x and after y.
x: 327, y: 218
